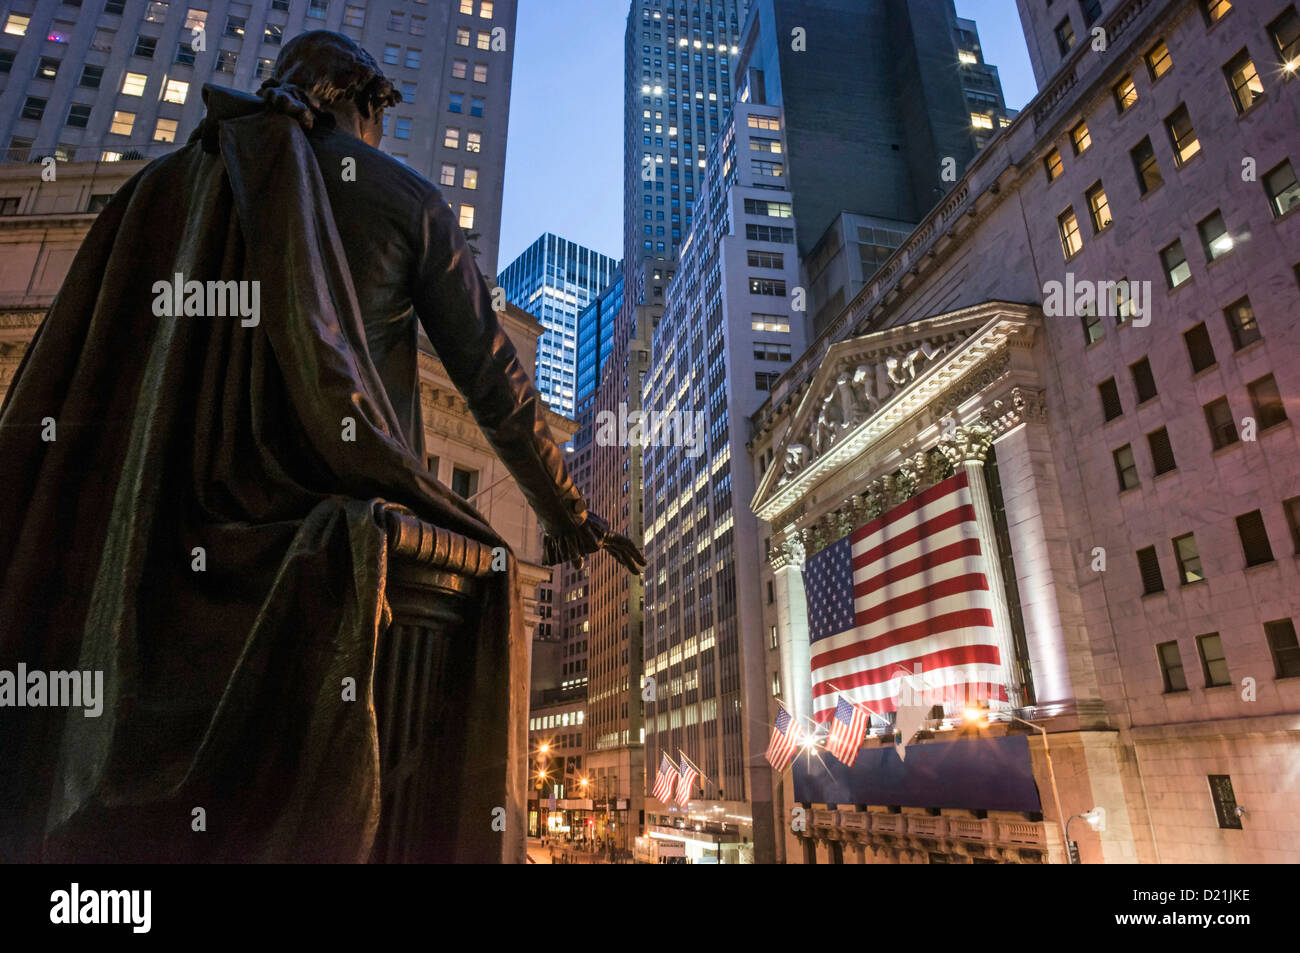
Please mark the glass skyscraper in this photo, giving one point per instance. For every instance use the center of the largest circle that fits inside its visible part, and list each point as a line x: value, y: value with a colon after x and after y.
x: 554, y: 280
x: 596, y: 336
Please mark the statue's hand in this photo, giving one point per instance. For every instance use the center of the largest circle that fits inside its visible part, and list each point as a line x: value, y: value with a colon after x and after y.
x: 622, y: 549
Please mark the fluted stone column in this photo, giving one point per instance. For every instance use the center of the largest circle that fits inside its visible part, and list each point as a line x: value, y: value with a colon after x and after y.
x: 792, y: 627
x: 967, y: 450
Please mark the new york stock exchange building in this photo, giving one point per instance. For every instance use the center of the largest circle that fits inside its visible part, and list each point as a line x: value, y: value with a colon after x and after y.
x: 1071, y: 527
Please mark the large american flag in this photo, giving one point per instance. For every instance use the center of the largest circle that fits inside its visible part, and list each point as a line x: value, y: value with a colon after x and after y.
x: 907, y: 591
x: 666, y: 780
x: 848, y: 728
x: 785, y: 738
x: 686, y: 783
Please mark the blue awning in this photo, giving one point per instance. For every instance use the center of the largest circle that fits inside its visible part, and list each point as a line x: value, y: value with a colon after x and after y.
x: 991, y: 774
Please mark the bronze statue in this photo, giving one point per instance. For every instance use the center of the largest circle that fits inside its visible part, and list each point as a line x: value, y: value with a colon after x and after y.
x: 192, y: 503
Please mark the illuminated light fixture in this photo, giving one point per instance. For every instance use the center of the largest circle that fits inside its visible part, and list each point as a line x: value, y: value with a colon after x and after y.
x: 1222, y: 245
x: 735, y: 49
x: 1291, y: 65
x: 659, y: 90
x: 697, y: 44
x: 645, y: 89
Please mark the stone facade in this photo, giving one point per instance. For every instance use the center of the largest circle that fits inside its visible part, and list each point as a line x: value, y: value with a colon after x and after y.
x: 1149, y: 741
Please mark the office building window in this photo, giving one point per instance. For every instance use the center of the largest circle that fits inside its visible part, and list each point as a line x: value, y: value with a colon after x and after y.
x: 133, y: 84
x: 480, y: 72
x: 473, y: 141
x: 1174, y: 260
x: 145, y: 46
x: 1052, y: 163
x: 33, y: 107
x: 122, y: 124
x: 235, y: 27
x: 1080, y: 138
x: 451, y: 137
x: 1158, y: 60
x: 408, y: 93
x: 1215, y: 240
x: 1189, y: 560
x: 467, y: 7
x: 766, y: 259
x: 1199, y: 349
x: 412, y: 58
x: 466, y: 215
x: 176, y: 91
x: 418, y: 26
x: 459, y: 69
x: 1149, y: 567
x: 1218, y: 417
x: 1282, y: 188
x: 1284, y: 648
x: 1162, y: 451
x: 476, y: 106
x: 226, y: 61
x: 485, y: 9
x: 264, y: 68
x: 1068, y: 228
x: 1213, y: 664
x: 1126, y: 468
x: 403, y: 129
x: 1266, y: 402
x: 1241, y: 323
x: 1181, y: 135
x: 456, y: 103
x: 354, y: 16
x: 1285, y: 31
x: 91, y: 76
x: 1144, y: 381
x: 317, y: 8
x: 47, y: 68
x: 1254, y: 538
x: 273, y: 34
x: 1171, y: 667
x: 1098, y: 208
x: 469, y: 179
x: 767, y: 286
x: 78, y: 115
x: 1292, y: 509
x: 16, y: 24
x: 1064, y: 36
x: 392, y: 53
x: 396, y: 20
x: 448, y: 176
x: 1111, y: 407
x: 462, y: 36
x: 1243, y: 81
x: 165, y: 130
x: 1126, y: 94
x: 1092, y: 327
x: 483, y: 40
x: 464, y: 482
x: 1144, y: 163
x: 765, y: 381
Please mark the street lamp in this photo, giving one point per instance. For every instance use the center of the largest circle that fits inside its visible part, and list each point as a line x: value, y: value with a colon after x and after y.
x: 972, y: 715
x: 1096, y: 819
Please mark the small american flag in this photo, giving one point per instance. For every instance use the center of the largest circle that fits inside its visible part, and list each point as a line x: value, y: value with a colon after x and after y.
x: 848, y: 727
x: 666, y: 779
x: 785, y: 738
x: 686, y: 784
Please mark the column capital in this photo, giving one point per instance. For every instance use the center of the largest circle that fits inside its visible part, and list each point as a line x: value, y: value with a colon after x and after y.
x: 967, y: 444
x: 790, y: 553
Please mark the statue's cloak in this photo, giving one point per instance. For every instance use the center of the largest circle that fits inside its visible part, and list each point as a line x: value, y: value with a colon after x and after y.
x: 181, y: 509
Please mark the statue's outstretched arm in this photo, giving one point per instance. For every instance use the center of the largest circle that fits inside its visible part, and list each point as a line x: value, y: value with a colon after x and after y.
x: 455, y: 307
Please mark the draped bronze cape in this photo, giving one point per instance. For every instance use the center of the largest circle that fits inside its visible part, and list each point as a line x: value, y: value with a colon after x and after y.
x: 223, y: 687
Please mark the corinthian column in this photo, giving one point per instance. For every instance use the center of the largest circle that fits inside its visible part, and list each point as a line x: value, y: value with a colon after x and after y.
x: 967, y: 449
x: 792, y: 627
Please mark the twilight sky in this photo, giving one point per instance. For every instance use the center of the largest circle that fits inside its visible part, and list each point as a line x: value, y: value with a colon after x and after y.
x: 564, y: 164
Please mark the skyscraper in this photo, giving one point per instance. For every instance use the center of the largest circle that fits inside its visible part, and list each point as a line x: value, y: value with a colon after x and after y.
x: 778, y: 179
x: 596, y: 336
x: 554, y: 279
x: 122, y: 80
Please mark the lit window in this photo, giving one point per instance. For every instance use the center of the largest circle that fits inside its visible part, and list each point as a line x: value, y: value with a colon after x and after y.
x: 473, y: 141
x: 1158, y: 60
x: 1071, y: 240
x: 469, y: 179
x: 1285, y: 31
x: 195, y: 18
x: 1080, y: 138
x: 462, y: 36
x: 235, y: 27
x: 226, y: 61
x: 133, y: 84
x: 448, y: 174
x: 459, y: 69
x: 981, y: 121
x: 451, y: 138
x: 467, y: 7
x: 1215, y: 240
x: 1052, y: 162
x: 1282, y: 189
x: 1243, y: 81
x: 165, y: 130
x: 48, y: 68
x: 485, y: 9
x: 122, y: 123
x: 1064, y: 36
x: 17, y: 24
x: 1126, y: 468
x: 484, y: 40
x: 1181, y: 135
x: 966, y: 57
x: 1213, y: 664
x: 1126, y: 94
x: 466, y: 215
x: 264, y: 68
x: 1175, y: 264
x: 176, y: 91
x: 480, y: 72
x: 1098, y: 208
x: 1189, y: 559
x: 1215, y: 10
x: 273, y: 34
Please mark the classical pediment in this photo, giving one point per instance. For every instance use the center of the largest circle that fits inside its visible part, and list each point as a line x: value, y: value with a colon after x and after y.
x: 867, y: 386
